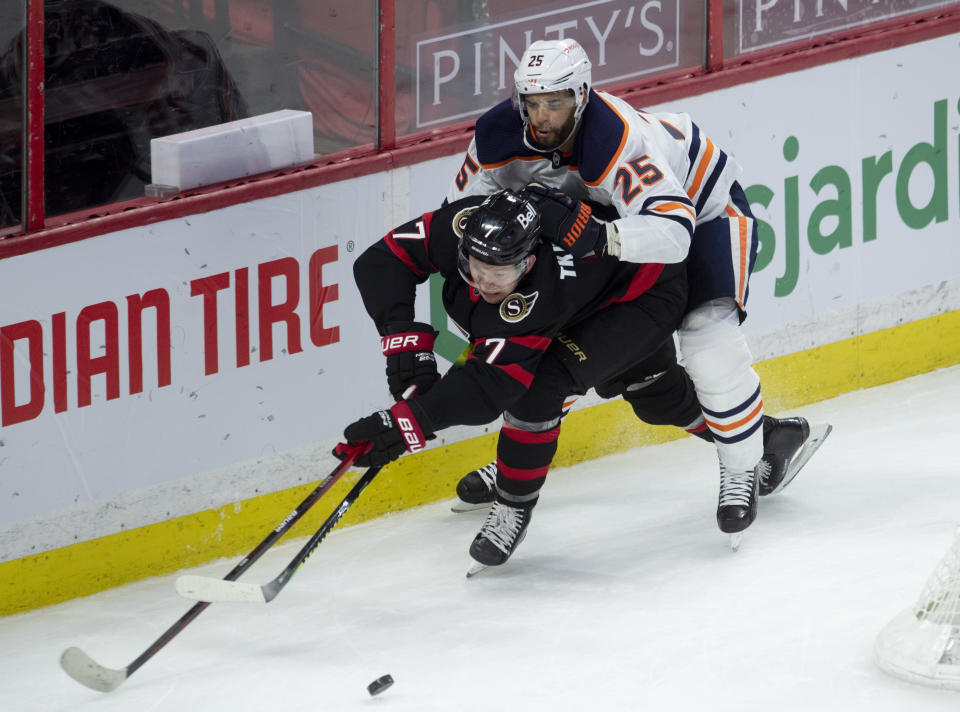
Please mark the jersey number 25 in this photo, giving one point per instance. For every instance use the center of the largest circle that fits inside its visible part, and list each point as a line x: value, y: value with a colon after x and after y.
x: 645, y: 172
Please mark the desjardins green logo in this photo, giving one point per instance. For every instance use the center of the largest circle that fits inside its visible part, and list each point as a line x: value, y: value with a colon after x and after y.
x: 838, y: 212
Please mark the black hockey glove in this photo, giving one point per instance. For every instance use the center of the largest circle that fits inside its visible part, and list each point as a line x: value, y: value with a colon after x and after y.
x: 567, y: 222
x: 408, y: 347
x: 390, y: 432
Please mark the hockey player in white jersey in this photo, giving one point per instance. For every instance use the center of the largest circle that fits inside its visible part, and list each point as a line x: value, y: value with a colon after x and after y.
x: 667, y: 193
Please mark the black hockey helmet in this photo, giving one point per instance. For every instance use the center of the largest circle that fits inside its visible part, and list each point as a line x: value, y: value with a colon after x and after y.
x: 503, y: 230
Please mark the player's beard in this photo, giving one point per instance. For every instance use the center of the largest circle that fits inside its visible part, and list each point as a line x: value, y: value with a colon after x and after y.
x: 556, y: 137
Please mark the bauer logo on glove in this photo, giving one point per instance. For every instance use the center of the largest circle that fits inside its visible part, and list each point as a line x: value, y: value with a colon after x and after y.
x: 411, y: 433
x: 408, y: 346
x: 405, y: 342
x: 390, y: 434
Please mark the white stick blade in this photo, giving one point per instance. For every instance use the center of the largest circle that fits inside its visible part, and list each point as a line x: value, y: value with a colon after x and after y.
x: 211, y: 590
x: 87, y: 671
x: 459, y: 507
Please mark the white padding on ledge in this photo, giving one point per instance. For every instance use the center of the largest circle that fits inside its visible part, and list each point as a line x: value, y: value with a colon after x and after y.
x: 233, y: 150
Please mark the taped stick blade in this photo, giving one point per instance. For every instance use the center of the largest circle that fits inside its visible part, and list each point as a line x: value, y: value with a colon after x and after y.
x: 213, y: 590
x: 87, y: 671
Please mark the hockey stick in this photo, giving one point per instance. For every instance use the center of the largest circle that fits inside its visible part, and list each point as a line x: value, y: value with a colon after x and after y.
x: 209, y: 590
x: 203, y: 588
x: 85, y: 670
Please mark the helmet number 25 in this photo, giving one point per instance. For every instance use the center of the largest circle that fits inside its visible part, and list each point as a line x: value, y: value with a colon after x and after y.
x: 535, y: 60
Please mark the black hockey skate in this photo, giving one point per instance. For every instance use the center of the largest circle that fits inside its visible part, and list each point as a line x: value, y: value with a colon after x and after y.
x: 737, y: 507
x: 787, y: 445
x: 476, y: 488
x: 500, y: 535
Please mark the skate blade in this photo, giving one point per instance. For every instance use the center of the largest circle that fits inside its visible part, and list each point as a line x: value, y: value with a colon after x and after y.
x: 735, y: 540
x: 476, y: 569
x: 818, y: 433
x: 460, y: 506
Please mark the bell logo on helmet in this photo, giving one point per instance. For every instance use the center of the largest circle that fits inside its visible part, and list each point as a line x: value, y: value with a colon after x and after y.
x: 501, y: 231
x: 527, y: 217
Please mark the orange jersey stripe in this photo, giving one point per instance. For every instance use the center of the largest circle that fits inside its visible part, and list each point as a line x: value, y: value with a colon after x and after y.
x: 673, y: 205
x: 701, y: 169
x: 742, y: 221
x: 616, y: 155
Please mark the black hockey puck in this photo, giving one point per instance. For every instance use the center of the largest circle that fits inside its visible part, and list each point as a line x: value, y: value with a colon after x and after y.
x: 379, y: 685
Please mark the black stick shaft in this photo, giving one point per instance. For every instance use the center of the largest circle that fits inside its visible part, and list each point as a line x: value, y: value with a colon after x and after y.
x: 247, y: 561
x: 274, y: 587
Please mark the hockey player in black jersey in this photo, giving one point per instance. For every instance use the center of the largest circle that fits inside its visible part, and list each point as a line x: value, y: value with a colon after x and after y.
x: 671, y: 196
x: 542, y: 324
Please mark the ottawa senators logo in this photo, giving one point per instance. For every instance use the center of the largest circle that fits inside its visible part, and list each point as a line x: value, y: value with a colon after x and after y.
x: 460, y: 220
x: 516, y: 306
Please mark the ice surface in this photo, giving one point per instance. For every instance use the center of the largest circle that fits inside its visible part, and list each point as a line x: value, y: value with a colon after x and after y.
x: 624, y: 595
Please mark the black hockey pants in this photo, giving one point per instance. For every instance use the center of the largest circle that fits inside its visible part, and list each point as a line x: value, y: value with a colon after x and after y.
x: 614, y: 348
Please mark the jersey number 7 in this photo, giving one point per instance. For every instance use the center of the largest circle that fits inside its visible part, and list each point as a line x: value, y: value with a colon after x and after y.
x: 497, y: 344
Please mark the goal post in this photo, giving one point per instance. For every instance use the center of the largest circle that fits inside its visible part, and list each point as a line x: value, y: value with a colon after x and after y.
x: 922, y: 643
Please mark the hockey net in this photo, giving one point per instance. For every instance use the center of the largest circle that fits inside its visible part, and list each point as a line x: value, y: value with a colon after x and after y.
x: 922, y: 643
